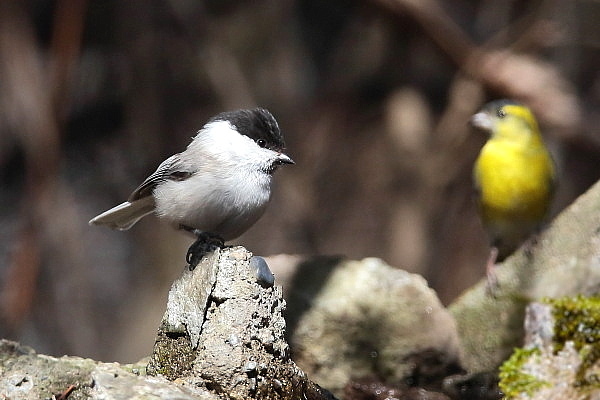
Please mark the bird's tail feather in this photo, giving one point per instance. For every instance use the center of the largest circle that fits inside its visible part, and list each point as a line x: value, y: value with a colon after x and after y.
x: 125, y: 215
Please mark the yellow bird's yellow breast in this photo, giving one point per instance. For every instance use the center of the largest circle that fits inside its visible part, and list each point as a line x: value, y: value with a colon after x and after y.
x: 514, y: 182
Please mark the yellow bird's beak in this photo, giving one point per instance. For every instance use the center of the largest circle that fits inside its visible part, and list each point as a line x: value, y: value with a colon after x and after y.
x: 482, y: 120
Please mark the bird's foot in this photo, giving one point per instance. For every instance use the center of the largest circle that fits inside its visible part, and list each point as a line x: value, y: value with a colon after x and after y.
x: 204, y: 244
x: 492, y: 285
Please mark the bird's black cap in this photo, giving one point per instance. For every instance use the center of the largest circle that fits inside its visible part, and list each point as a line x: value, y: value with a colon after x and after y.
x: 258, y: 124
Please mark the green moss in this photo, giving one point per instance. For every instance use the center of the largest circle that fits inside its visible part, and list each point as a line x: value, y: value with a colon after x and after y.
x: 513, y: 382
x: 577, y: 319
x: 172, y: 356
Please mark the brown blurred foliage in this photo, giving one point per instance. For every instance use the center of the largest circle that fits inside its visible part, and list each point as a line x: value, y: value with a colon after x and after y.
x: 373, y: 98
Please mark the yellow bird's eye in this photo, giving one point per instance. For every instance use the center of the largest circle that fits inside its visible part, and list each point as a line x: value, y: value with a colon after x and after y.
x: 501, y: 113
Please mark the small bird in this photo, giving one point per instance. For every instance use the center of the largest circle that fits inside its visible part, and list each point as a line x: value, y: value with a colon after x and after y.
x: 514, y: 177
x: 217, y: 188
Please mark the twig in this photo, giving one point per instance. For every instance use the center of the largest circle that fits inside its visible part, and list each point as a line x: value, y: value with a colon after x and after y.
x: 65, y: 393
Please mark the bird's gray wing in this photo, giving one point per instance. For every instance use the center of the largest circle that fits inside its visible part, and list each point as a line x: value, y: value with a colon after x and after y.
x: 172, y: 169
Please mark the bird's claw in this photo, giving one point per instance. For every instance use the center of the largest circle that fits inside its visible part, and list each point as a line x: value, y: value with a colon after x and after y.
x: 205, y: 243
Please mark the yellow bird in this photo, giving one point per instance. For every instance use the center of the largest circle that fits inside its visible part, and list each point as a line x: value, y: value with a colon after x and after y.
x: 514, y: 176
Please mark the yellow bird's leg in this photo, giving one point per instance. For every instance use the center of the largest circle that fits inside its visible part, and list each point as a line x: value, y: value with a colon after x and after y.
x: 490, y: 271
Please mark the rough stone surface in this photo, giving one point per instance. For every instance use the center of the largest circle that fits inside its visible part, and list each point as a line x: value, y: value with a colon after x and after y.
x: 564, y: 260
x: 27, y: 375
x: 556, y: 370
x: 112, y: 384
x: 188, y: 299
x: 368, y: 319
x: 238, y: 348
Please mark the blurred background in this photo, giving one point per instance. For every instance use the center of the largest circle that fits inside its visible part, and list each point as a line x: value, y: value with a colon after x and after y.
x: 373, y: 98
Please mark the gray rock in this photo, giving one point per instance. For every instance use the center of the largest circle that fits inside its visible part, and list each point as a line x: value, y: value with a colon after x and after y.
x: 188, y: 299
x: 539, y: 325
x: 111, y: 383
x: 264, y: 276
x: 27, y: 375
x: 369, y: 319
x: 229, y: 335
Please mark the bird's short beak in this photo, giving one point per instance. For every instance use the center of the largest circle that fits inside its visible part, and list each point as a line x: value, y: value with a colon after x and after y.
x: 482, y: 120
x: 284, y: 159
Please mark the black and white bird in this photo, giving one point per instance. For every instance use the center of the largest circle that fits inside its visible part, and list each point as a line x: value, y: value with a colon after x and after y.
x: 217, y: 188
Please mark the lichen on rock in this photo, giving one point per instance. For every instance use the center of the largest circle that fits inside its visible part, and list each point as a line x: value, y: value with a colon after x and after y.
x: 564, y: 365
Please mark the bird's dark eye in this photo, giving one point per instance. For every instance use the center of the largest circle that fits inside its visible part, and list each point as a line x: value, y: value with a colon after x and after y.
x: 261, y: 142
x: 501, y: 113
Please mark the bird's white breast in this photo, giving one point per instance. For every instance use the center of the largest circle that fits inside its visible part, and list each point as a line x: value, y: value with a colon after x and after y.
x: 230, y: 189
